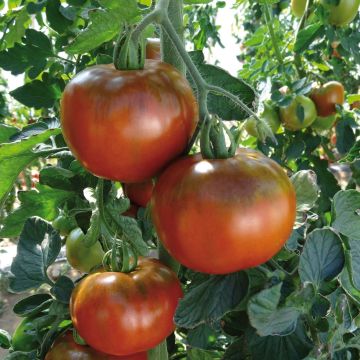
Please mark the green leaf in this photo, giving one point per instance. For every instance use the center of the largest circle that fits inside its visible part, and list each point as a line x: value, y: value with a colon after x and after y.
x: 159, y: 352
x: 193, y: 2
x: 5, y: 339
x: 57, y: 177
x: 6, y: 132
x: 198, y: 354
x: 346, y: 210
x: 208, y: 301
x: 322, y: 258
x: 345, y: 137
x: 17, y: 28
x: 237, y: 350
x: 202, y: 337
x: 62, y: 289
x: 17, y: 155
x: 37, y: 94
x: 267, y: 318
x: 295, y: 346
x: 21, y: 355
x: 54, y: 16
x: 218, y: 104
x: 32, y: 305
x: 348, y: 286
x: 104, y: 25
x: 43, y: 203
x: 307, y: 35
x: 38, y: 247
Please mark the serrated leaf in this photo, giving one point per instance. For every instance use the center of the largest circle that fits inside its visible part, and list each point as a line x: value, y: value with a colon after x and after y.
x: 55, y: 17
x: 15, y: 156
x: 201, y: 337
x: 37, y: 94
x: 322, y: 258
x: 267, y: 318
x: 5, y: 339
x: 21, y: 355
x: 32, y: 305
x: 38, y: 247
x: 209, y: 300
x: 17, y: 28
x: 43, y: 203
x: 57, y: 177
x: 307, y: 35
x: 6, y: 132
x: 159, y: 352
x: 346, y: 209
x: 62, y: 289
x: 348, y: 286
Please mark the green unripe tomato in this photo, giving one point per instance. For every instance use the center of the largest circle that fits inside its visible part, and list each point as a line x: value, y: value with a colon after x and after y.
x: 80, y: 256
x: 298, y: 7
x: 290, y: 115
x: 342, y: 14
x: 269, y: 115
x: 64, y: 224
x: 25, y: 337
x: 324, y: 122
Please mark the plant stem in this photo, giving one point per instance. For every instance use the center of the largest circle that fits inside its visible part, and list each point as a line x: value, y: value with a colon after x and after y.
x: 268, y: 20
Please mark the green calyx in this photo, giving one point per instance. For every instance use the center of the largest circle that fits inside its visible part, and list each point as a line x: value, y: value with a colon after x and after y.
x: 129, y: 52
x: 213, y: 142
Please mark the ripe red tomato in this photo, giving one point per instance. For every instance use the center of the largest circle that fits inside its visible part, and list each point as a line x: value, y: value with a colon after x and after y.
x: 343, y: 13
x: 290, y: 117
x: 298, y: 7
x: 230, y: 214
x: 139, y: 193
x: 80, y: 256
x: 127, y: 125
x: 65, y: 348
x: 153, y: 49
x: 327, y: 96
x: 122, y: 314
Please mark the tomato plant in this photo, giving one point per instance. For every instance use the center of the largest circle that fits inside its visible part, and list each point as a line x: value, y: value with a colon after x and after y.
x: 64, y: 224
x: 327, y: 96
x: 146, y: 299
x: 210, y: 196
x: 343, y: 12
x: 139, y: 193
x: 80, y: 256
x: 145, y: 138
x: 65, y: 348
x: 299, y: 114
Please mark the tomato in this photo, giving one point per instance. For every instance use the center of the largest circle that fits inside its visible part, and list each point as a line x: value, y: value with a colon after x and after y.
x: 153, y: 49
x: 64, y: 224
x: 65, y: 348
x: 122, y: 314
x: 224, y: 215
x: 269, y: 115
x: 25, y: 337
x: 139, y: 193
x: 324, y: 123
x: 80, y: 256
x: 298, y: 7
x: 289, y: 115
x: 127, y: 125
x: 343, y: 13
x: 327, y: 96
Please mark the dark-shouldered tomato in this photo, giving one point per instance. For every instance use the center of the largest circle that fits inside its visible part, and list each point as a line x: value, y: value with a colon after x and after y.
x: 64, y: 224
x: 25, y: 337
x: 324, y: 122
x: 65, y: 348
x: 224, y: 215
x: 120, y: 313
x: 153, y: 49
x: 80, y: 256
x: 343, y: 13
x: 139, y: 193
x: 269, y: 115
x: 128, y: 125
x: 290, y: 115
x: 298, y: 7
x: 327, y: 96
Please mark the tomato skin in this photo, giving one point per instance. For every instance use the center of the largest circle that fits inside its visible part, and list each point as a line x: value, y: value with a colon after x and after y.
x: 25, y: 337
x: 327, y: 96
x: 128, y: 125
x: 80, y: 256
x: 230, y: 214
x: 64, y: 225
x: 65, y: 348
x: 153, y: 49
x: 136, y: 308
x: 139, y: 193
x: 298, y: 7
x: 289, y: 117
x: 344, y: 13
x: 269, y: 115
